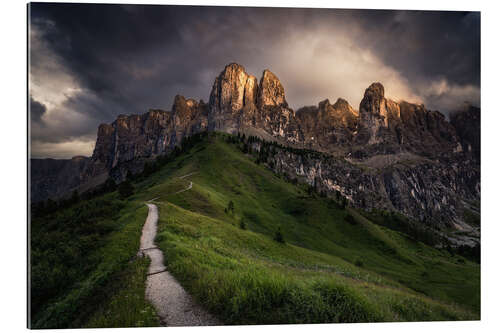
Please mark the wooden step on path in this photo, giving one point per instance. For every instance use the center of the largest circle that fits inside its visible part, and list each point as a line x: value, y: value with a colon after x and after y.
x: 162, y: 271
x: 149, y: 248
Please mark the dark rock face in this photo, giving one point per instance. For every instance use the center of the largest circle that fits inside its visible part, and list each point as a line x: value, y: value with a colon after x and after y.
x: 391, y: 155
x: 189, y: 117
x: 129, y: 141
x: 467, y: 123
x: 130, y: 138
x: 51, y: 178
x: 391, y: 127
x: 427, y: 190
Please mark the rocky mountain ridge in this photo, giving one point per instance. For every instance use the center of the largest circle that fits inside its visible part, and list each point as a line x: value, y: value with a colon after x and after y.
x: 442, y: 156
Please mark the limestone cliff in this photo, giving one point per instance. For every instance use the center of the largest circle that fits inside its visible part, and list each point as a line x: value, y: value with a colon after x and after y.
x: 386, y: 126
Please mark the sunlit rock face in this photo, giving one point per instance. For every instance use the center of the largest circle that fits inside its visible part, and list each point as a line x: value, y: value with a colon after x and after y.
x: 327, y: 125
x: 238, y: 103
x: 271, y: 91
x: 189, y: 117
x: 374, y: 116
x: 274, y: 116
x: 232, y: 90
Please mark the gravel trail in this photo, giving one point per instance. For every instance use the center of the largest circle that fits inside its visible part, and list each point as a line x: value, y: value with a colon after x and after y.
x: 190, y: 186
x: 174, y: 305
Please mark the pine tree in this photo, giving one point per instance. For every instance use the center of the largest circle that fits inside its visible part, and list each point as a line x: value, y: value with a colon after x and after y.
x: 126, y: 189
x: 278, y: 236
x: 230, y: 206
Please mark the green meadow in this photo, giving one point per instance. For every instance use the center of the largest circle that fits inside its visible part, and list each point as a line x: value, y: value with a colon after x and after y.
x: 248, y: 245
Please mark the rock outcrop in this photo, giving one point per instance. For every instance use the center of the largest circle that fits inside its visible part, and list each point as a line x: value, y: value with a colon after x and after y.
x: 327, y: 125
x: 373, y: 116
x: 271, y: 92
x: 391, y: 127
x: 436, y: 193
x: 232, y: 91
x: 239, y: 104
x: 391, y: 155
x: 467, y: 123
x: 51, y: 178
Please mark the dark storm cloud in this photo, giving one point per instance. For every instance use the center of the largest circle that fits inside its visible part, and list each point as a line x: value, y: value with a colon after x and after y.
x: 126, y: 59
x: 37, y: 110
x: 425, y: 44
x: 112, y: 49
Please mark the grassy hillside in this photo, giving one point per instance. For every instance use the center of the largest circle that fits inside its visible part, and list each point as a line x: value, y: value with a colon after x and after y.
x: 330, y: 268
x: 84, y: 266
x: 220, y: 241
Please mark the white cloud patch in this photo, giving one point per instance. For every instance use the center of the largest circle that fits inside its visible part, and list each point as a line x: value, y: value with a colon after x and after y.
x: 62, y: 130
x: 449, y: 97
x: 66, y: 149
x: 50, y: 82
x: 317, y: 64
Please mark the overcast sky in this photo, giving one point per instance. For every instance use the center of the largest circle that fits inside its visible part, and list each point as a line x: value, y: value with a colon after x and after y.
x: 90, y: 63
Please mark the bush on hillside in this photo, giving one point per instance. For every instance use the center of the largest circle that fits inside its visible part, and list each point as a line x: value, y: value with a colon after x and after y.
x: 278, y: 236
x: 126, y: 189
x: 350, y: 219
x: 243, y: 225
x: 230, y: 207
x: 358, y: 262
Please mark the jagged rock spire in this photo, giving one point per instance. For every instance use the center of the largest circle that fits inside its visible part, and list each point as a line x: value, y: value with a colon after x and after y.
x: 232, y: 90
x: 271, y: 91
x: 372, y: 100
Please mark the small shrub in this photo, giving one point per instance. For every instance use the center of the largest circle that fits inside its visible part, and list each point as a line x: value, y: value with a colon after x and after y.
x: 278, y: 236
x: 343, y: 204
x: 358, y: 262
x: 251, y: 217
x: 230, y: 207
x: 109, y: 185
x: 126, y: 189
x: 350, y: 219
x: 243, y: 225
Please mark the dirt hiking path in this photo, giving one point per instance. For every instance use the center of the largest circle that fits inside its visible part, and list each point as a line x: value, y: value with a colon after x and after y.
x: 174, y: 305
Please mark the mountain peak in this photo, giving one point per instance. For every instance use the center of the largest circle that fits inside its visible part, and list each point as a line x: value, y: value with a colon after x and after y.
x: 182, y: 103
x: 373, y: 100
x: 228, y: 88
x: 375, y: 89
x: 233, y: 90
x: 341, y: 104
x: 234, y: 66
x: 271, y: 91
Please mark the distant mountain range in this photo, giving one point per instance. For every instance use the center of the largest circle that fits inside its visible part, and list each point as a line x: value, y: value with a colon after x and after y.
x: 386, y: 155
